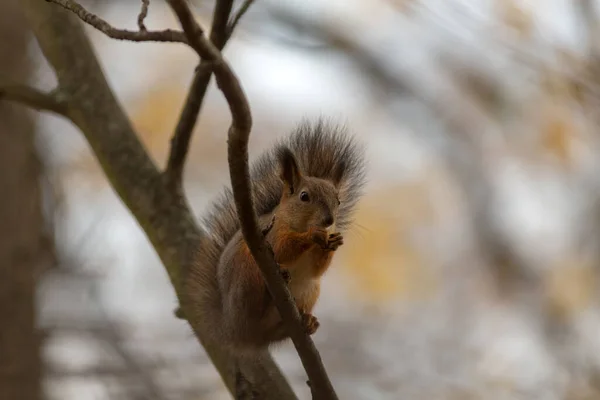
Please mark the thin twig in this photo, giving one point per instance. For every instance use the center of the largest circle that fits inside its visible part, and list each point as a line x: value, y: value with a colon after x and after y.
x: 167, y: 35
x: 182, y: 136
x: 143, y: 15
x: 34, y: 98
x: 238, y: 15
x: 239, y: 133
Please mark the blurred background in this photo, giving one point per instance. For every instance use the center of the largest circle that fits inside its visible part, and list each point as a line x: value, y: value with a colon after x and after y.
x: 473, y: 271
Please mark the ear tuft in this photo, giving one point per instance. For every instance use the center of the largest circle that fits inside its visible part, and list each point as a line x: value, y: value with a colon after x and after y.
x: 290, y: 173
x: 338, y: 174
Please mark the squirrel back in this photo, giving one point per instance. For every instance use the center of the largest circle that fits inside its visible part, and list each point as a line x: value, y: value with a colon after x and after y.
x: 322, y: 150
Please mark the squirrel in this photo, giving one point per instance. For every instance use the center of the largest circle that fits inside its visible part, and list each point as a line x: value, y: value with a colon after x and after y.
x: 305, y: 191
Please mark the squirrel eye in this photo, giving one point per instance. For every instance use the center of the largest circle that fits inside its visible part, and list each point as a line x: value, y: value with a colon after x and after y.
x: 339, y: 202
x: 304, y: 196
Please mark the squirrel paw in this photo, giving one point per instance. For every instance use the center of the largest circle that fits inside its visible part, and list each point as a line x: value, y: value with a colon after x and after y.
x: 327, y: 241
x: 319, y: 236
x: 310, y: 322
x: 334, y: 241
x: 285, y: 274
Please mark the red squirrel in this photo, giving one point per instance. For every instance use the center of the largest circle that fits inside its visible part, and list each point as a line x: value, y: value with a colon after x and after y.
x: 305, y: 189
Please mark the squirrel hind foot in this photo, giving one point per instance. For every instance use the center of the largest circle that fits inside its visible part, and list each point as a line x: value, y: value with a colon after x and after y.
x: 310, y: 323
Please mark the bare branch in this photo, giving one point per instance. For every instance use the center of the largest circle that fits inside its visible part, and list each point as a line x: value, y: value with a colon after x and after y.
x: 33, y: 98
x: 239, y: 133
x: 165, y: 219
x: 189, y: 114
x: 143, y: 15
x: 167, y: 35
x: 238, y: 15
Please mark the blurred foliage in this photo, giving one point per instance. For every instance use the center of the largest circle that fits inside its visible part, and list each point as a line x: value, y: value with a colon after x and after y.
x: 380, y: 256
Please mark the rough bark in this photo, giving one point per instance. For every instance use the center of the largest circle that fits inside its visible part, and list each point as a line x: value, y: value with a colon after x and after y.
x: 21, y: 223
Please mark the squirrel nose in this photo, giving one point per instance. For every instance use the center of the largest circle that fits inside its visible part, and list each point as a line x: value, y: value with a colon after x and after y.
x: 328, y: 221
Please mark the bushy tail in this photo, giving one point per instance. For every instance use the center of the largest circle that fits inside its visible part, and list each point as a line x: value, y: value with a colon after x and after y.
x: 321, y: 149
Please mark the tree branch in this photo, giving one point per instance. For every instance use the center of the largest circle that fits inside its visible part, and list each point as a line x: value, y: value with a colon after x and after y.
x: 236, y: 19
x: 143, y: 15
x: 167, y: 35
x: 165, y: 219
x: 238, y: 137
x: 33, y: 98
x: 180, y: 141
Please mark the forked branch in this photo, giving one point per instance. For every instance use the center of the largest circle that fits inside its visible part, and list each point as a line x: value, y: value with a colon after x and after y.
x: 167, y: 222
x: 238, y: 15
x: 180, y: 141
x: 33, y: 98
x: 239, y: 133
x: 143, y: 35
x: 238, y: 137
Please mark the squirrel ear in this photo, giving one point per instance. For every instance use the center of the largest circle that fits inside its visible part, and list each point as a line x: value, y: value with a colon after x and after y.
x: 290, y: 173
x: 338, y: 174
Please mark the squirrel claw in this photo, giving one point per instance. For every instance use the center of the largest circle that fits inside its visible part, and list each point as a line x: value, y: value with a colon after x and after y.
x: 178, y: 312
x: 285, y: 274
x: 310, y: 322
x: 268, y: 228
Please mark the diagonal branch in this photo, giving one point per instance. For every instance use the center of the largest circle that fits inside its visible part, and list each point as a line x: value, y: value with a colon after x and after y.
x: 189, y: 114
x: 167, y: 35
x: 34, y: 98
x: 238, y: 137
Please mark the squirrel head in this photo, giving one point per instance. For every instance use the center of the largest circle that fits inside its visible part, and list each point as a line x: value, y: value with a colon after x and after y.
x: 306, y: 201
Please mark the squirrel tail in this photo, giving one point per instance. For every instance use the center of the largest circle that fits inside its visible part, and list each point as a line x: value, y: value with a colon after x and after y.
x: 322, y: 150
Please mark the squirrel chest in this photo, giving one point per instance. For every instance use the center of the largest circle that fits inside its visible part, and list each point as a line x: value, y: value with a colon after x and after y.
x: 305, y: 273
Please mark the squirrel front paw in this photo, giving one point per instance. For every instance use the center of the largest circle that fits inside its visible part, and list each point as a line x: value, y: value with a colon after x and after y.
x: 334, y: 241
x: 319, y: 236
x: 309, y: 322
x: 327, y: 241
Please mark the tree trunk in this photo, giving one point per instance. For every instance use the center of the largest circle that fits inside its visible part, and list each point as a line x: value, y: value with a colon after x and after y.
x: 21, y: 221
